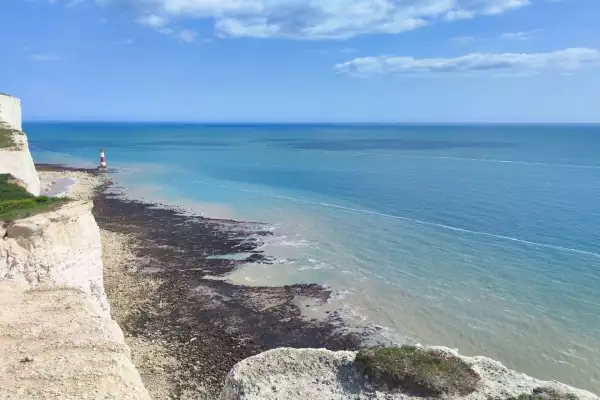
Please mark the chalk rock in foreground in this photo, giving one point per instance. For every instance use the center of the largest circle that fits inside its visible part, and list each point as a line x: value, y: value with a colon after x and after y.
x: 286, y: 374
x: 56, y: 344
x: 60, y: 247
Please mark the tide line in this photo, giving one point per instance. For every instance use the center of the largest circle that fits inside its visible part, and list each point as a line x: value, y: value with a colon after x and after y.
x: 488, y: 160
x: 514, y: 162
x: 416, y: 221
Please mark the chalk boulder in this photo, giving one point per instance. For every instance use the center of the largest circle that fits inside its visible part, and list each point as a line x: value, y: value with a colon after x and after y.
x: 286, y: 374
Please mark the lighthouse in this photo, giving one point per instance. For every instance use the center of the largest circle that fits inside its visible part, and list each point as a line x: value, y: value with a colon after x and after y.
x: 102, y: 167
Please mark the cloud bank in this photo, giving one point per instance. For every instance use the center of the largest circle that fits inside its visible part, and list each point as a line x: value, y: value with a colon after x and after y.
x: 567, y: 60
x: 523, y: 35
x: 160, y: 24
x: 315, y: 19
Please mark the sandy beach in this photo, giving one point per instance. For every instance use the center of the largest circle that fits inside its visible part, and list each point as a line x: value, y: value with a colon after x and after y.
x: 185, y: 328
x: 77, y: 184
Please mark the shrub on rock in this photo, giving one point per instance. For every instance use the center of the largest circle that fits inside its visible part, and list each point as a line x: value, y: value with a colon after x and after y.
x: 418, y: 371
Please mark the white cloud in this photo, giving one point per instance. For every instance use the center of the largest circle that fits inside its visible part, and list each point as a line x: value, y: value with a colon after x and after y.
x: 258, y: 28
x: 44, y: 57
x: 522, y: 35
x: 160, y: 24
x: 563, y: 60
x: 153, y: 21
x: 186, y: 35
x: 316, y: 19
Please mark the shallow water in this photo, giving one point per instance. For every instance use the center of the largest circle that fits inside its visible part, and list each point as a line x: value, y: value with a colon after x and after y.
x: 58, y: 187
x: 482, y: 238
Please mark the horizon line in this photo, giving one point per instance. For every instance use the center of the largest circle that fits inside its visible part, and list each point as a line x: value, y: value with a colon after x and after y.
x: 191, y: 122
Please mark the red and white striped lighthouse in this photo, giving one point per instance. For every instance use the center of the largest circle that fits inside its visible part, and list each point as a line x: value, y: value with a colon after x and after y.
x: 102, y: 166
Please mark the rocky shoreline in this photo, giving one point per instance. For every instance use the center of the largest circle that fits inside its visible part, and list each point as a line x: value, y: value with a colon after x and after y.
x: 194, y: 335
x: 186, y: 327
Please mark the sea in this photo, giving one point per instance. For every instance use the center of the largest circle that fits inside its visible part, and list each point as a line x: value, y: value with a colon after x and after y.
x: 483, y: 238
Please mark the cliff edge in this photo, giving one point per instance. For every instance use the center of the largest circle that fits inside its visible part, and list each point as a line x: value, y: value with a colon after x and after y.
x: 60, y: 248
x: 15, y: 157
x: 10, y: 111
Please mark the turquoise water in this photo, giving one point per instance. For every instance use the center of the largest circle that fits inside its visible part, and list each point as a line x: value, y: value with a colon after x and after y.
x: 482, y: 238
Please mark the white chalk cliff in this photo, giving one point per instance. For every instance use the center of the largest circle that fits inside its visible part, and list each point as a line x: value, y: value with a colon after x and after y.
x: 57, y: 339
x: 60, y: 248
x: 290, y: 374
x: 10, y: 111
x: 16, y: 159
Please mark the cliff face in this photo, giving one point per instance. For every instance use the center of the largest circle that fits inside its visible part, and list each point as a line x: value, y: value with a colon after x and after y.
x: 16, y: 159
x: 58, y: 344
x: 61, y: 247
x: 10, y: 111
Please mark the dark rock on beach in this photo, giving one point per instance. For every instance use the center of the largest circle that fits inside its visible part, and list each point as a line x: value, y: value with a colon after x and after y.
x: 207, y: 323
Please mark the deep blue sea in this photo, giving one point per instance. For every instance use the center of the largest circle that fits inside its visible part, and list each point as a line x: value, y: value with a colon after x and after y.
x: 478, y: 237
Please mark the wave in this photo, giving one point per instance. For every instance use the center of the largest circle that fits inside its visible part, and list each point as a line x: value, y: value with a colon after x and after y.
x: 337, y: 295
x: 487, y: 160
x: 316, y: 266
x: 408, y: 219
x: 282, y: 241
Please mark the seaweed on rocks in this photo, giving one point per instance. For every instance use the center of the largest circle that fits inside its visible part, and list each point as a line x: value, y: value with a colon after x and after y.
x: 62, y: 168
x: 209, y: 323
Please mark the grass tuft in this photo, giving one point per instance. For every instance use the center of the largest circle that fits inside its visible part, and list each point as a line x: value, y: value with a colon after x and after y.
x: 7, y: 134
x: 545, y: 394
x: 418, y: 371
x: 16, y: 202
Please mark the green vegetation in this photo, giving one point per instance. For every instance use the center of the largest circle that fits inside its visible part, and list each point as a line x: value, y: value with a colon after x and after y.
x: 6, y: 135
x: 545, y: 394
x: 418, y: 371
x: 16, y: 202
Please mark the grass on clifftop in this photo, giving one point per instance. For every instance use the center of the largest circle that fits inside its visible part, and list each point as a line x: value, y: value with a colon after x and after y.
x: 417, y: 371
x: 546, y: 394
x: 6, y: 135
x: 17, y: 203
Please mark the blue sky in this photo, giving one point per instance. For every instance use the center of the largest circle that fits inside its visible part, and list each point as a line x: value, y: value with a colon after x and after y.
x: 303, y: 60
